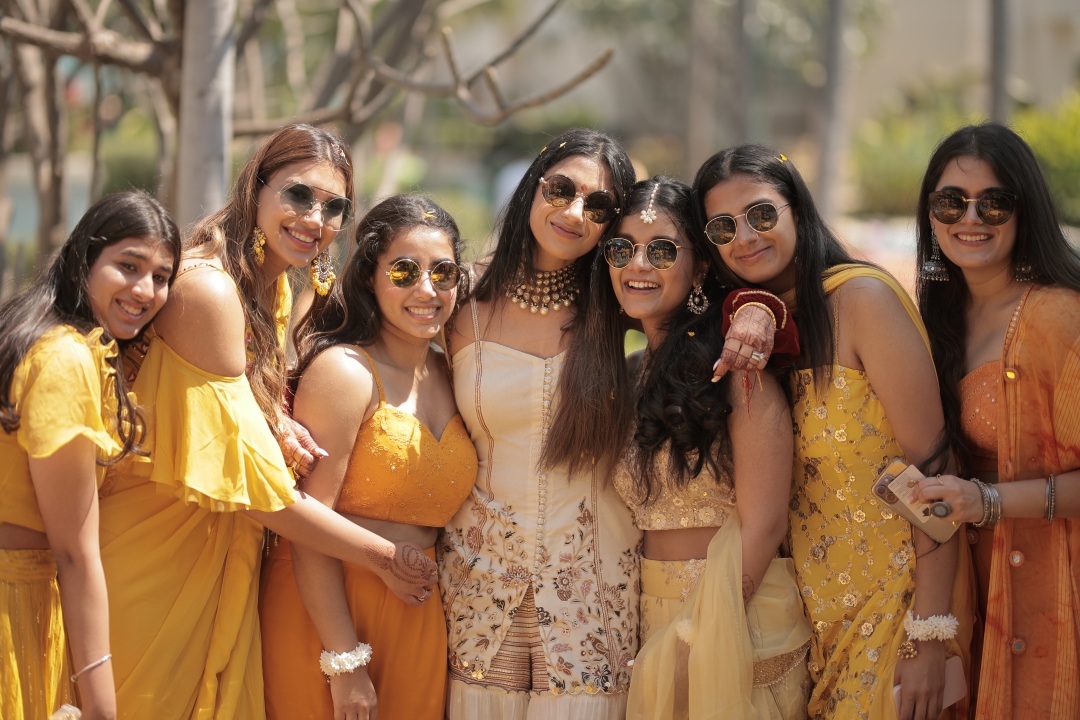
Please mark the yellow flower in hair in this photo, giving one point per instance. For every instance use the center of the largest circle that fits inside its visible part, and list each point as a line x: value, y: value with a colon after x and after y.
x: 782, y: 158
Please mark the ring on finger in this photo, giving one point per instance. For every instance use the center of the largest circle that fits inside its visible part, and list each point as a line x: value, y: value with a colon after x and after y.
x: 940, y: 509
x: 757, y: 356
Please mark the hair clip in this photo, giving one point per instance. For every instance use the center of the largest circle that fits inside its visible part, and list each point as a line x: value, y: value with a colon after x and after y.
x: 782, y: 158
x: 341, y: 152
x: 543, y: 150
x: 562, y: 145
x: 429, y: 215
x: 648, y: 214
x: 691, y: 333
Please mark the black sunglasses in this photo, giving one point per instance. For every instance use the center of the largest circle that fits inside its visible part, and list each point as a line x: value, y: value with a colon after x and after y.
x: 761, y: 218
x: 560, y: 191
x: 406, y: 272
x: 298, y: 199
x: 661, y: 254
x: 994, y: 207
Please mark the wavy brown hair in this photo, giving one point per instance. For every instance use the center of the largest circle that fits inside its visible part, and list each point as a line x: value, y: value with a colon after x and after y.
x: 60, y: 296
x: 227, y: 234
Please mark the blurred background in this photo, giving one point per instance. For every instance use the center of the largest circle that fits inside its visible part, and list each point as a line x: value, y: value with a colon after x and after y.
x: 453, y: 98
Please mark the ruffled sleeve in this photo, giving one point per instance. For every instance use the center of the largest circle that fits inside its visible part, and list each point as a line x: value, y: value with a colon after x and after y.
x: 65, y: 388
x: 209, y: 441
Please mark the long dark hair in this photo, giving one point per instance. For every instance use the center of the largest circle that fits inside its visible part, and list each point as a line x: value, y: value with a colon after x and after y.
x: 227, y: 234
x: 350, y: 312
x: 60, y: 296
x: 583, y: 428
x: 1040, y: 244
x: 817, y: 249
x: 674, y: 402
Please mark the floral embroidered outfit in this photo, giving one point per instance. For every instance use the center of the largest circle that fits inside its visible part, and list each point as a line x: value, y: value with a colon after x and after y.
x: 568, y: 539
x: 854, y: 558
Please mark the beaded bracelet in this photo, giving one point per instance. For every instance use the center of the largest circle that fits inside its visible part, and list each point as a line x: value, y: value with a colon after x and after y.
x: 1051, y: 493
x: 335, y: 663
x: 935, y: 627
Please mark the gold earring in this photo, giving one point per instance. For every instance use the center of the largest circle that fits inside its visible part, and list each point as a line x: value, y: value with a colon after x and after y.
x: 260, y: 240
x: 322, y: 273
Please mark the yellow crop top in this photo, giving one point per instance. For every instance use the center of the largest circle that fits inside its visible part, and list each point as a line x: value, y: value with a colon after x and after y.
x: 398, y: 471
x: 703, y: 502
x: 64, y: 388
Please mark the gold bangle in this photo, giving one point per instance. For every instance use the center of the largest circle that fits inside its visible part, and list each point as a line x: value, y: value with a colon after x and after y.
x: 907, y: 650
x: 760, y: 305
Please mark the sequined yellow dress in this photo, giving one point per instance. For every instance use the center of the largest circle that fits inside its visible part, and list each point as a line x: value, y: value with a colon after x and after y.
x: 854, y: 558
x: 63, y: 389
x: 182, y: 564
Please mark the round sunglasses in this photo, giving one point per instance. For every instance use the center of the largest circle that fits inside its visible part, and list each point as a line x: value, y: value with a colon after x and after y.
x: 994, y: 207
x: 661, y: 254
x: 559, y: 191
x: 298, y: 199
x: 406, y: 272
x: 761, y: 218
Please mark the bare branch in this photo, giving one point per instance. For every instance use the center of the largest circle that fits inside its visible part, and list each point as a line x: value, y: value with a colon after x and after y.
x: 102, y: 9
x: 97, y: 174
x: 104, y: 46
x: 148, y: 28
x: 321, y: 116
x: 252, y: 23
x: 385, y: 72
x: 294, y: 47
x: 447, y: 38
x: 516, y: 43
x: 84, y: 15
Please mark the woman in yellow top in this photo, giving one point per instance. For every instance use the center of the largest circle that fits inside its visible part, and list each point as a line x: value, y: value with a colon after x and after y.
x: 181, y: 535
x: 376, y: 397
x: 865, y: 394
x: 999, y: 290
x: 65, y: 415
x: 706, y: 473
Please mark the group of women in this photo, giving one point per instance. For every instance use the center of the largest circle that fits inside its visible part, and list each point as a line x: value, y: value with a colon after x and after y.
x: 609, y: 536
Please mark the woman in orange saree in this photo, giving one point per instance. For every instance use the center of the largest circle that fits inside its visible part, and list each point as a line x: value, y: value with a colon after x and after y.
x: 1002, y: 309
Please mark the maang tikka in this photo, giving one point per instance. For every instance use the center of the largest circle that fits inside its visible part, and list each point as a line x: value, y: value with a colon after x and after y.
x: 648, y: 215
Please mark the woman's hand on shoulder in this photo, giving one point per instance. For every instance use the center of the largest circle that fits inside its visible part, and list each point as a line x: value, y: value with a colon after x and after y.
x: 204, y: 323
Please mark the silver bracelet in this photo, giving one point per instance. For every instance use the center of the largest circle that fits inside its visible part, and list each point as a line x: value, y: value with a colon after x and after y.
x: 91, y: 666
x: 1051, y: 498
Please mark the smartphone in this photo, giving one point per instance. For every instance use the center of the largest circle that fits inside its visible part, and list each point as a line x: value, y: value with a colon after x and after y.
x: 955, y: 684
x: 895, y: 487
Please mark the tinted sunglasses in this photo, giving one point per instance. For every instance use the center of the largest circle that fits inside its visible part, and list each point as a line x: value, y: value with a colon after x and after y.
x: 298, y: 199
x: 661, y: 254
x: 406, y: 272
x: 761, y: 218
x: 994, y: 207
x: 560, y: 191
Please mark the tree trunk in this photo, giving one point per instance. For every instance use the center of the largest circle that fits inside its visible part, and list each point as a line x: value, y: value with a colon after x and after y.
x: 206, y: 108
x: 7, y: 82
x: 702, y: 103
x: 999, y: 61
x: 832, y: 136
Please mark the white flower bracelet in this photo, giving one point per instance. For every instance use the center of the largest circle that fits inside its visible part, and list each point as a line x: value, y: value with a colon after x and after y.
x: 335, y: 663
x: 935, y: 627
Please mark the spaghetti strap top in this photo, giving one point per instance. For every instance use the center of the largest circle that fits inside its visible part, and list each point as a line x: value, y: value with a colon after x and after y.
x: 399, y: 471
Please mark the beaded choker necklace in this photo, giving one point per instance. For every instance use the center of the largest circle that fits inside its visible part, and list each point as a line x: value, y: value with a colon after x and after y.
x: 548, y: 291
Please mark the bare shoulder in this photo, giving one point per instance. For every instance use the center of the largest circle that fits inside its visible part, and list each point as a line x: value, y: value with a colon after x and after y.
x: 338, y: 382
x: 867, y: 295
x: 203, y: 321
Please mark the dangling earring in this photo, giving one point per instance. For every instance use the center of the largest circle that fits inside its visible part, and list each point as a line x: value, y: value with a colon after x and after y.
x: 934, y: 268
x: 260, y: 240
x: 1022, y: 270
x: 698, y: 302
x: 322, y: 273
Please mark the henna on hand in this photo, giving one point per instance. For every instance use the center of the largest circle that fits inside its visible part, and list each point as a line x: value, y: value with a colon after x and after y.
x: 411, y: 565
x: 748, y: 589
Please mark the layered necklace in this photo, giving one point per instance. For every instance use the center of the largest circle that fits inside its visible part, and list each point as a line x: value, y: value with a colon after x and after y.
x: 547, y: 291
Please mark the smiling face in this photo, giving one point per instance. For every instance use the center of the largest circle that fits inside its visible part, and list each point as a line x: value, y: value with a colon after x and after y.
x: 129, y: 283
x: 766, y: 258
x: 563, y: 234
x: 645, y: 293
x: 293, y: 239
x: 419, y: 311
x: 977, y: 248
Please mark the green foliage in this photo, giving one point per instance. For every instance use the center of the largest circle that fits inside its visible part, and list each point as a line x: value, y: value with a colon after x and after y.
x: 1055, y: 138
x: 129, y: 152
x: 890, y: 153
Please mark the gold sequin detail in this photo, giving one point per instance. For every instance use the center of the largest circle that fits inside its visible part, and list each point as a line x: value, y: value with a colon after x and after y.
x: 772, y: 670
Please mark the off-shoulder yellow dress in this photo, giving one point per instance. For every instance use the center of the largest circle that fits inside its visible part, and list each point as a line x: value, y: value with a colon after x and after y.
x: 64, y: 388
x: 182, y: 565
